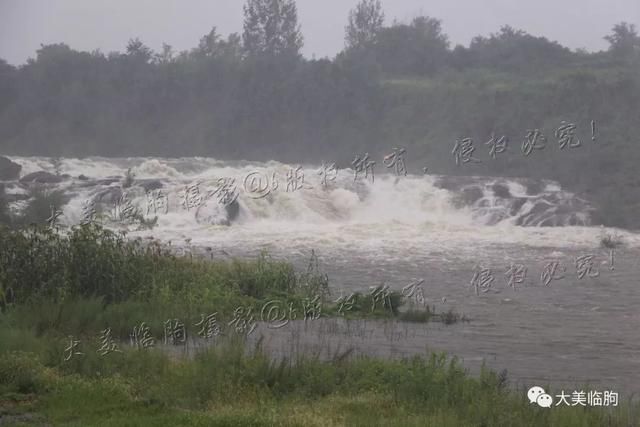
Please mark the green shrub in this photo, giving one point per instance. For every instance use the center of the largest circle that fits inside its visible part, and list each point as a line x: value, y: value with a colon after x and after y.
x: 22, y: 372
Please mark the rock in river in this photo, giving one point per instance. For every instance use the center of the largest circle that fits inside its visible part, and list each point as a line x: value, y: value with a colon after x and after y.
x: 9, y: 170
x: 42, y: 177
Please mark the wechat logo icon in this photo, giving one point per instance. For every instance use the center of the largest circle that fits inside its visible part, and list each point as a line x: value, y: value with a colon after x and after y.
x: 538, y: 395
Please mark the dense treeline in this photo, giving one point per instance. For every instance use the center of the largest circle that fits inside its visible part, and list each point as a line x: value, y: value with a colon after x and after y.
x: 254, y: 96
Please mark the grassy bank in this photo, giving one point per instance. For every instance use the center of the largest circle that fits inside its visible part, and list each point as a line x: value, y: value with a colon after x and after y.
x: 228, y: 386
x: 53, y: 276
x: 77, y: 284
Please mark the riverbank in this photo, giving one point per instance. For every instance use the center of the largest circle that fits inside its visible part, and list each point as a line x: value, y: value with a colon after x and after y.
x: 88, y: 317
x: 227, y: 386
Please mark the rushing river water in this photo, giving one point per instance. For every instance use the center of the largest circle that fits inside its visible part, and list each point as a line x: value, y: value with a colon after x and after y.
x: 396, y: 230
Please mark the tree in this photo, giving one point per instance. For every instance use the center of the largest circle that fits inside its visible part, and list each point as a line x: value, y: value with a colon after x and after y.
x: 213, y: 46
x: 138, y: 50
x: 166, y: 56
x: 624, y: 39
x: 208, y: 45
x: 418, y: 48
x: 516, y: 50
x: 271, y: 28
x: 8, y: 90
x: 365, y: 23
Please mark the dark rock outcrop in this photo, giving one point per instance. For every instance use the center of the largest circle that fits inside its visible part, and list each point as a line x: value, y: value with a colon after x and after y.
x: 42, y: 177
x: 108, y: 180
x: 501, y: 190
x: 11, y: 197
x: 150, y: 185
x: 467, y: 197
x: 213, y: 213
x: 233, y: 210
x: 9, y: 170
x: 109, y: 195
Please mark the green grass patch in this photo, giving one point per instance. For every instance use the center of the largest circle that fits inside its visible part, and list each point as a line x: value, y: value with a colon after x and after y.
x: 228, y: 385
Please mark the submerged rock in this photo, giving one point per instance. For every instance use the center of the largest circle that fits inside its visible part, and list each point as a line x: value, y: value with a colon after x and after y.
x: 109, y: 195
x: 16, y: 197
x: 467, y: 197
x: 213, y: 213
x: 42, y: 177
x: 108, y: 180
x: 501, y: 190
x: 233, y: 210
x: 150, y: 185
x: 9, y: 170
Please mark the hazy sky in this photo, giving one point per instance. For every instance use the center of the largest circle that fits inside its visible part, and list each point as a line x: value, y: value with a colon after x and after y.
x: 107, y: 25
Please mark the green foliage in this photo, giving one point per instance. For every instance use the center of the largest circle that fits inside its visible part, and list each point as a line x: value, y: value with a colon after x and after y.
x: 364, y: 24
x: 137, y: 51
x: 90, y: 262
x: 515, y: 51
x: 214, y: 47
x: 5, y: 219
x: 21, y: 372
x: 271, y: 28
x: 419, y: 48
x: 90, y: 279
x: 624, y: 40
x: 313, y: 281
x: 247, y: 99
x: 228, y: 385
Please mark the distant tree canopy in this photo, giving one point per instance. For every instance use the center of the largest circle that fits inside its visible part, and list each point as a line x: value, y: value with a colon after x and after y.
x: 271, y: 27
x: 8, y: 75
x: 364, y: 24
x: 624, y: 40
x: 138, y: 51
x: 514, y: 50
x: 213, y: 45
x: 419, y: 48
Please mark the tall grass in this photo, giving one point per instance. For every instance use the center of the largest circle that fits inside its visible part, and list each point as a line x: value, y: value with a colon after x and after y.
x: 39, y: 263
x: 229, y: 385
x: 77, y: 283
x: 4, y: 207
x: 43, y: 267
x: 91, y: 278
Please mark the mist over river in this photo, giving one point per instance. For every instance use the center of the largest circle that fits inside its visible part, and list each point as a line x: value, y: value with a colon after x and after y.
x: 395, y: 230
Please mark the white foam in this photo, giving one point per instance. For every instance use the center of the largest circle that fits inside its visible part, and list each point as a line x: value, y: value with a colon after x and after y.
x: 405, y: 212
